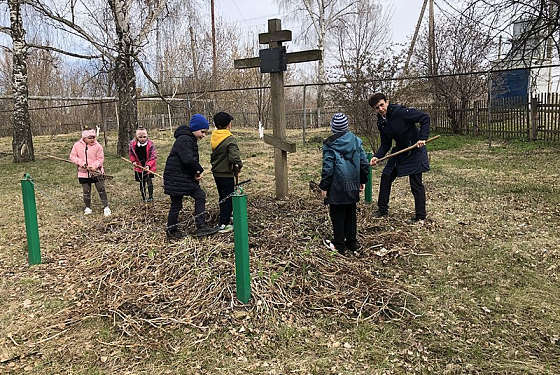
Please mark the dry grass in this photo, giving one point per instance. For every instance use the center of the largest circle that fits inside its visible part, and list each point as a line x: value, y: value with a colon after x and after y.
x: 474, y: 290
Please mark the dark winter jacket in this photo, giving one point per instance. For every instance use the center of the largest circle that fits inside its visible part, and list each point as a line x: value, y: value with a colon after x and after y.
x: 345, y: 167
x: 400, y: 126
x: 182, y: 164
x: 225, y: 153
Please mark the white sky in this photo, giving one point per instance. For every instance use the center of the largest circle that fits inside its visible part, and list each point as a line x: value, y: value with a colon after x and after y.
x: 252, y: 15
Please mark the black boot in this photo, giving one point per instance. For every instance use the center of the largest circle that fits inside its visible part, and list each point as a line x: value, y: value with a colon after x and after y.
x: 176, y: 235
x: 205, y: 230
x: 379, y: 213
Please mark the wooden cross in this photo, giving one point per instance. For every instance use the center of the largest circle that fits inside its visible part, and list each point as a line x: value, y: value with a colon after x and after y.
x: 274, y: 61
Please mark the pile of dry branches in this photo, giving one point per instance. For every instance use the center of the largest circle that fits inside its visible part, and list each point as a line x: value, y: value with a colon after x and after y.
x: 140, y: 280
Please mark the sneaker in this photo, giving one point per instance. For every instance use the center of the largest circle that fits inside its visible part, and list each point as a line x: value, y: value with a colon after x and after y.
x: 223, y: 228
x: 151, y: 199
x: 87, y: 211
x: 205, y: 230
x: 106, y: 211
x: 379, y: 213
x: 332, y: 247
x: 176, y: 235
x: 329, y: 245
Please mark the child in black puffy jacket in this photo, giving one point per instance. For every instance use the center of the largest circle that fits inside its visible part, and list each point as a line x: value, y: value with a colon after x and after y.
x: 182, y: 176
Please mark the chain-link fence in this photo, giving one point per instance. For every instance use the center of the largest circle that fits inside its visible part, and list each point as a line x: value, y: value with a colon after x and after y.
x: 526, y: 118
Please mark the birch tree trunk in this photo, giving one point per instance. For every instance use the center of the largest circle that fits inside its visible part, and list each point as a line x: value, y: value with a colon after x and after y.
x: 125, y: 77
x: 22, y: 142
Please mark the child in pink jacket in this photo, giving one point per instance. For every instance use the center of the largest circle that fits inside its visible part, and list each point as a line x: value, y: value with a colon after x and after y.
x: 142, y: 153
x: 88, y: 155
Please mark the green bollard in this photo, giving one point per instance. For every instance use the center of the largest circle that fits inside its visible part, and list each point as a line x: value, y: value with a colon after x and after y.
x: 31, y: 226
x: 241, y: 240
x: 368, y: 189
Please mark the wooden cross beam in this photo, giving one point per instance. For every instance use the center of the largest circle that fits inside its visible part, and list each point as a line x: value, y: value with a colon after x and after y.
x: 276, y: 58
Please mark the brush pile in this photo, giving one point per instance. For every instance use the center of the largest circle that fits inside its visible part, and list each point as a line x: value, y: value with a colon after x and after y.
x: 133, y: 275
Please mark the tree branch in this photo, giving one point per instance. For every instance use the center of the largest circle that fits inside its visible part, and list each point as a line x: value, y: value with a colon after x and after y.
x: 150, y: 19
x: 6, y: 30
x: 149, y: 77
x: 54, y: 49
x: 44, y: 10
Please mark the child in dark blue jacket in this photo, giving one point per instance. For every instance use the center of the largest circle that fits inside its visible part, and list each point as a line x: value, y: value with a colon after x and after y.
x: 344, y: 174
x: 182, y: 176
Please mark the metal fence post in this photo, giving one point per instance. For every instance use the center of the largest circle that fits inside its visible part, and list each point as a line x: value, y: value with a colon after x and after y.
x: 367, y: 193
x: 241, y: 240
x: 304, y: 119
x: 31, y: 226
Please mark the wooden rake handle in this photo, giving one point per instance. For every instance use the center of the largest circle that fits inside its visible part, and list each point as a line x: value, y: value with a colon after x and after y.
x: 143, y: 168
x: 405, y: 150
x: 99, y: 175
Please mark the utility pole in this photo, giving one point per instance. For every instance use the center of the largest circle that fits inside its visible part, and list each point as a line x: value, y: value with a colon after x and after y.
x: 431, y: 41
x: 194, y: 59
x: 214, y: 63
x: 411, y: 49
x: 214, y: 68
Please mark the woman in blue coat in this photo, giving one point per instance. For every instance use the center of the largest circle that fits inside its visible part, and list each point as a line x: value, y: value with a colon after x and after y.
x: 398, y: 123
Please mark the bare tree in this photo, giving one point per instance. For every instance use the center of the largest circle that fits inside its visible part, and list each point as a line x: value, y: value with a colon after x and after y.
x: 131, y: 21
x: 539, y: 22
x: 320, y: 18
x: 461, y: 47
x: 358, y: 37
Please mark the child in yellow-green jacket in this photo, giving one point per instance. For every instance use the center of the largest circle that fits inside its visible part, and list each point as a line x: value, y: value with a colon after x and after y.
x: 226, y: 163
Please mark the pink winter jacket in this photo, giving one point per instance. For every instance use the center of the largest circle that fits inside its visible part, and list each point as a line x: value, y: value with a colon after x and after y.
x: 150, y: 154
x: 94, y: 157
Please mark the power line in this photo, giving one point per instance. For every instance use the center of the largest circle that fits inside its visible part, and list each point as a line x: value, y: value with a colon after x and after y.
x: 241, y: 14
x: 403, y: 78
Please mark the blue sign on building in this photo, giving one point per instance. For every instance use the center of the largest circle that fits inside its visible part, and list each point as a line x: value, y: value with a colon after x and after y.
x: 510, y: 84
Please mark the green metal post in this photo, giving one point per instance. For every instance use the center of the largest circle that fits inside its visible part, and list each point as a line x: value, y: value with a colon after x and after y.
x: 367, y: 193
x: 241, y: 240
x: 31, y: 226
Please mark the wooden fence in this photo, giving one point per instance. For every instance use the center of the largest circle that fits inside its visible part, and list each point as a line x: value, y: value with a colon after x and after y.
x: 534, y: 118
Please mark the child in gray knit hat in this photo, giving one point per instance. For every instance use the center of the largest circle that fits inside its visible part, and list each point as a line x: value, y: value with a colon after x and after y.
x: 344, y: 174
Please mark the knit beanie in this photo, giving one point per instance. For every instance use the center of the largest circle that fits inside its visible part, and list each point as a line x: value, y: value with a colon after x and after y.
x: 339, y: 123
x: 222, y: 119
x: 198, y: 122
x: 88, y: 133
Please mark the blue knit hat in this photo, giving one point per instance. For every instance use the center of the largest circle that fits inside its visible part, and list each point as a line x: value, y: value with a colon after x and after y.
x: 339, y: 123
x: 198, y: 122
